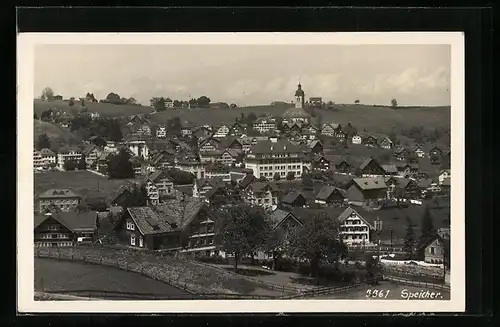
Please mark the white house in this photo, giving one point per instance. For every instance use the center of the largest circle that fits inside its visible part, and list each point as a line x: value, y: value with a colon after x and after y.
x: 443, y: 175
x: 221, y: 131
x: 355, y: 230
x: 139, y: 148
x: 161, y: 132
x: 264, y: 125
x: 70, y: 153
x: 356, y: 139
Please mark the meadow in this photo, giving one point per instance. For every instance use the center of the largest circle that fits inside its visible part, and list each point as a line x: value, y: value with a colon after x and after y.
x: 379, y: 119
x: 84, y: 183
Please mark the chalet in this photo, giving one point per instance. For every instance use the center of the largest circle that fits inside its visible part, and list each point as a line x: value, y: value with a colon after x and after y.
x: 64, y: 229
x: 163, y: 160
x: 443, y: 175
x: 285, y: 220
x: 97, y: 140
x: 328, y: 130
x: 293, y: 199
x: 264, y: 124
x: 221, y: 131
x: 186, y: 225
x: 385, y: 143
x: 158, y: 186
x: 429, y: 186
x: 209, y: 145
x: 307, y: 135
x: 210, y: 156
x: 102, y: 163
x: 316, y: 146
x: 202, y: 132
x: 202, y: 186
x: 319, y: 162
x: 401, y: 153
x: 161, y: 131
x: 419, y: 151
x: 339, y: 163
x: 230, y: 157
x: 238, y: 129
x: 196, y: 168
x: 247, y: 180
x: 231, y: 143
x: 407, y: 170
x: 367, y: 191
x: 371, y: 168
x: 437, y: 249
x: 68, y: 153
x: 368, y: 140
x: 354, y: 229
x: 409, y: 188
x: 186, y: 129
x: 435, y: 152
x: 312, y: 129
x: 47, y: 158
x: 135, y: 128
x: 63, y: 199
x: 92, y: 153
x: 262, y: 194
x: 138, y: 147
x: 330, y: 196
x: 357, y: 139
x: 390, y: 170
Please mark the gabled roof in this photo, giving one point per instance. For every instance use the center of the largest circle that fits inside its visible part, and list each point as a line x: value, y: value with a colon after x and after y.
x: 404, y: 182
x: 291, y: 197
x: 89, y: 149
x: 213, y: 182
x: 58, y: 193
x: 247, y: 180
x: 278, y: 216
x: 181, y: 212
x: 367, y: 162
x: 313, y: 143
x: 390, y: 168
x: 269, y: 147
x: 347, y: 213
x: 327, y: 191
x: 47, y: 152
x: 258, y: 187
x: 370, y: 183
x: 148, y: 221
x: 157, y: 175
x: 74, y: 221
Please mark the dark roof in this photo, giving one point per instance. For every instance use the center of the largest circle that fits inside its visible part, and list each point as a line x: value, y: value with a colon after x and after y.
x: 327, y: 191
x: 370, y: 183
x: 58, y: 193
x: 88, y: 149
x: 390, y: 168
x: 75, y: 221
x: 157, y: 175
x: 291, y: 197
x: 260, y: 186
x: 269, y: 147
x: 185, y: 189
x: 214, y: 182
x: 303, y: 214
x: 180, y: 212
x: 247, y: 180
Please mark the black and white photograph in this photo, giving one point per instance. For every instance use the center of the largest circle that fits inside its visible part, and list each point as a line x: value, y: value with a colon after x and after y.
x: 199, y: 170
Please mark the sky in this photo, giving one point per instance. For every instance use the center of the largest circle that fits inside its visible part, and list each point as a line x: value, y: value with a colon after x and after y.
x: 249, y: 74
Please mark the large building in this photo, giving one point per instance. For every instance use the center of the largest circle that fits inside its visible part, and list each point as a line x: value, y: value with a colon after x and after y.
x: 61, y: 229
x: 70, y: 153
x: 64, y: 199
x: 297, y: 114
x: 267, y: 158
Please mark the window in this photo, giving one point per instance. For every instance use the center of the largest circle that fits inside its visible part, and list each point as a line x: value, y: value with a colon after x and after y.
x: 141, y: 241
x: 433, y: 250
x: 132, y: 239
x: 130, y: 225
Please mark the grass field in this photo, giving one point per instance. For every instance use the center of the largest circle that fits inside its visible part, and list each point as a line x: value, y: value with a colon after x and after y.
x: 82, y: 182
x: 393, y: 291
x: 374, y: 119
x: 58, y: 135
x: 56, y: 275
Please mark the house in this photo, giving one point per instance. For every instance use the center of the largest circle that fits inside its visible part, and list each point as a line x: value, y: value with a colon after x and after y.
x: 437, y: 249
x: 138, y: 148
x: 48, y: 158
x: 316, y: 146
x: 186, y: 130
x: 209, y: 145
x: 262, y: 194
x: 187, y: 225
x: 64, y: 199
x: 102, y: 163
x: 138, y: 127
x: 419, y: 151
x: 368, y: 140
x: 158, y: 186
x: 293, y: 199
x: 232, y: 143
x: 328, y: 130
x: 330, y: 196
x: 435, y: 153
x: 354, y: 229
x: 284, y: 220
x: 409, y: 188
x: 219, y: 171
x: 202, y: 132
x: 268, y: 158
x: 385, y: 143
x: 66, y: 154
x: 161, y: 131
x: 37, y: 159
x: 169, y: 103
x: 429, y: 186
x: 366, y: 191
x: 196, y: 168
x: 238, y: 129
x: 64, y: 229
x: 356, y: 139
x: 390, y: 170
x: 265, y: 124
x: 407, y: 170
x: 163, y: 159
x: 210, y: 156
x: 443, y: 175
x: 401, y: 153
x: 371, y: 168
x: 221, y: 131
x: 92, y: 153
x: 311, y: 129
x: 202, y: 186
x: 319, y: 162
x: 247, y: 180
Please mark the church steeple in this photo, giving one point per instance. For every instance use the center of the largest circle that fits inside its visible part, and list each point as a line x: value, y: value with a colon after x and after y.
x: 299, y: 97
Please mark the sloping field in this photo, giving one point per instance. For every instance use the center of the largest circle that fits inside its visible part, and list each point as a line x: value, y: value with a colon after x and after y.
x: 56, y: 134
x: 105, y: 109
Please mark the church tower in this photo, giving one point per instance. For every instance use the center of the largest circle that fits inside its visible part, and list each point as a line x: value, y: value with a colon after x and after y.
x: 299, y: 97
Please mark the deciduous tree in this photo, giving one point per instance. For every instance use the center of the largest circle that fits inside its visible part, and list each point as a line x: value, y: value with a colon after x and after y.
x: 119, y: 165
x: 82, y: 164
x: 43, y: 142
x: 47, y: 94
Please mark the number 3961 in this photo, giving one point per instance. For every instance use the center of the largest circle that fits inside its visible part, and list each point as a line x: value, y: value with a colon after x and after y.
x: 377, y: 294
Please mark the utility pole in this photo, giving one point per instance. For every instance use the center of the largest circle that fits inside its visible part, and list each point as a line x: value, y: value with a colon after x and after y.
x: 391, y: 240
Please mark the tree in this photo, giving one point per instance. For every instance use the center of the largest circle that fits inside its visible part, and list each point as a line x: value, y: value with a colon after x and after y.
x: 373, y: 269
x: 251, y: 117
x: 119, y: 165
x: 276, y: 177
x: 113, y: 98
x: 96, y: 203
x: 71, y: 102
x: 290, y: 176
x: 158, y: 103
x: 233, y: 105
x: 357, y: 101
x: 114, y: 130
x: 47, y: 93
x: 243, y: 229
x: 82, y: 164
x: 177, y: 103
x: 307, y: 181
x: 262, y: 179
x: 70, y: 165
x: 427, y: 231
x: 138, y: 197
x: 43, y: 142
x: 131, y: 100
x: 203, y: 101
x: 315, y: 240
x: 409, y: 240
x: 394, y: 103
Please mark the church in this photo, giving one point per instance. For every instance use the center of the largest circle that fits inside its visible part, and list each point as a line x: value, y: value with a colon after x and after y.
x: 298, y: 113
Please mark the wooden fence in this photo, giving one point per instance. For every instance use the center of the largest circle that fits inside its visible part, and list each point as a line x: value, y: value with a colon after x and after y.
x: 398, y: 280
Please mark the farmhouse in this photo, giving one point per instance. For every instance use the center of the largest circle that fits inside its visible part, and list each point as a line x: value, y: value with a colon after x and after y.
x: 293, y: 199
x: 63, y: 199
x: 371, y: 168
x: 203, y: 186
x: 355, y: 229
x: 238, y: 129
x: 161, y: 132
x: 367, y: 191
x: 436, y: 250
x: 356, y: 139
x: 385, y: 143
x: 179, y: 224
x: 316, y: 146
x: 221, y: 131
x: 66, y: 154
x: 92, y: 153
x: 63, y: 229
x: 158, y: 185
x: 419, y: 151
x: 218, y: 171
x: 330, y: 196
x: 262, y: 194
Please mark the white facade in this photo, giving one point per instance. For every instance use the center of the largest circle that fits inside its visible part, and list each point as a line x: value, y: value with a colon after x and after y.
x: 356, y: 139
x: 265, y: 125
x: 269, y: 166
x: 37, y: 159
x: 195, y: 168
x: 444, y: 175
x: 354, y: 230
x: 72, y: 154
x: 161, y: 132
x: 222, y: 131
x: 139, y: 149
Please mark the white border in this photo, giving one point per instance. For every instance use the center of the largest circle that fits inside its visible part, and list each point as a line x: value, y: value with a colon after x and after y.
x: 25, y: 50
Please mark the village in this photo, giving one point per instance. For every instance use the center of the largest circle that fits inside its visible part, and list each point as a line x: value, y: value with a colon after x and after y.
x: 268, y: 192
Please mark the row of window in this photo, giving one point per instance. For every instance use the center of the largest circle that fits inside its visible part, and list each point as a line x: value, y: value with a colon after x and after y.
x: 133, y: 241
x: 201, y: 241
x: 356, y: 237
x: 58, y: 244
x: 53, y: 236
x: 281, y: 173
x: 130, y: 225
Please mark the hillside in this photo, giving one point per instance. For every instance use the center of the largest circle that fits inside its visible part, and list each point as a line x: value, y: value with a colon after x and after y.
x: 56, y: 134
x: 105, y: 109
